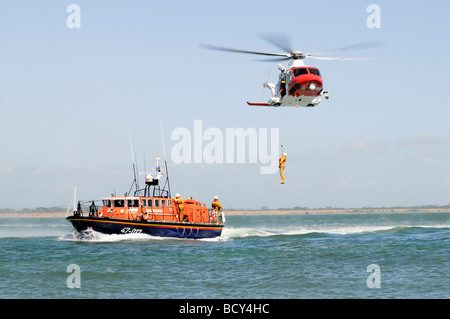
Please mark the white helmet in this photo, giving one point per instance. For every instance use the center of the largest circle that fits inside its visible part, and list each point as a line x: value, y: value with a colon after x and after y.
x: 216, y: 197
x: 284, y: 154
x: 177, y: 195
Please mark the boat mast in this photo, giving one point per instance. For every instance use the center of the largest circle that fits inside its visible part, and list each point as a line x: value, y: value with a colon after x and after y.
x: 75, y: 199
x: 165, y: 160
x: 136, y: 181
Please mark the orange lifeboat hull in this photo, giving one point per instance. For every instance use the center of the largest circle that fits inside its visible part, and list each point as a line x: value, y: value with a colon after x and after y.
x: 154, y: 216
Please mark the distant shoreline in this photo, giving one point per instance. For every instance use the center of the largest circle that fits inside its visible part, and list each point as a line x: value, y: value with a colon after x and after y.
x: 312, y: 211
x: 337, y: 211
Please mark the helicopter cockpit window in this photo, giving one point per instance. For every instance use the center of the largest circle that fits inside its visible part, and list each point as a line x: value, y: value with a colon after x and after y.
x: 314, y: 71
x: 299, y: 71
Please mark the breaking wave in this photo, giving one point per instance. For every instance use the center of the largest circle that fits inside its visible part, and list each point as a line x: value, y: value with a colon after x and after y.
x: 243, y: 232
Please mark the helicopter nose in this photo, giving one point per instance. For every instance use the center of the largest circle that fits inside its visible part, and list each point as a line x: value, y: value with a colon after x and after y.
x: 308, y: 85
x: 308, y: 82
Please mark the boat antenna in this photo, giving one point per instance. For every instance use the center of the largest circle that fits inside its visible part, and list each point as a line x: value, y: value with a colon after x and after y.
x: 135, y: 182
x: 145, y: 169
x: 75, y: 199
x: 165, y: 158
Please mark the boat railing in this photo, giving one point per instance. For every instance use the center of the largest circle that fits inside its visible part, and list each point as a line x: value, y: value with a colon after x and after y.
x: 150, y: 215
x: 87, y: 207
x: 217, y: 217
x: 154, y: 191
x: 95, y: 208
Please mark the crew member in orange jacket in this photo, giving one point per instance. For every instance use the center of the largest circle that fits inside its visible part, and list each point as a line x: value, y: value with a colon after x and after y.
x: 215, y: 206
x: 180, y: 205
x: 282, y: 164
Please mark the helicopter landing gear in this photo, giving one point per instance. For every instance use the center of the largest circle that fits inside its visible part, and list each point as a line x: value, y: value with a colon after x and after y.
x: 314, y: 102
x: 275, y: 101
x: 325, y: 95
x: 271, y: 87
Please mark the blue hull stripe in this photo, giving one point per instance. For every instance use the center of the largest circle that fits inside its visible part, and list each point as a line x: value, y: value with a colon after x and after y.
x: 162, y: 229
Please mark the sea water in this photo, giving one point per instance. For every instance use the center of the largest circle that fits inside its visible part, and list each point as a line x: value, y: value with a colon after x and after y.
x: 382, y: 255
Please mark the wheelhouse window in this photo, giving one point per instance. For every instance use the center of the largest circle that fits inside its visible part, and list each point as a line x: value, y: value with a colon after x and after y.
x: 149, y: 202
x: 107, y: 202
x: 163, y: 202
x: 299, y: 71
x: 133, y: 202
x: 314, y: 71
x: 119, y: 203
x: 143, y: 202
x: 156, y: 202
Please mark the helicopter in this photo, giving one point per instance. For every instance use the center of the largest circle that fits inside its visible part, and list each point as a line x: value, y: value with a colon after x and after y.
x: 298, y: 84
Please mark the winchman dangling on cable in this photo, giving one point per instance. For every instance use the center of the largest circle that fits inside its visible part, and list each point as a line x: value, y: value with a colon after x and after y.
x: 281, y: 165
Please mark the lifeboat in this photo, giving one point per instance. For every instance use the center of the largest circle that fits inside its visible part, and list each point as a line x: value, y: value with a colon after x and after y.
x: 150, y: 211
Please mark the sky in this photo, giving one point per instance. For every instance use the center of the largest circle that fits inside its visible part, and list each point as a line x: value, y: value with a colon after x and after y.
x: 71, y: 97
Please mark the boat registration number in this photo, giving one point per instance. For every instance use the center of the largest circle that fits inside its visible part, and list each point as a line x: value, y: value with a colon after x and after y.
x: 128, y: 230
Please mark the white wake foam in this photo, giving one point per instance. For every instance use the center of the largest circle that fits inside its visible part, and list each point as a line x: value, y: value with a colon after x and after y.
x: 93, y: 236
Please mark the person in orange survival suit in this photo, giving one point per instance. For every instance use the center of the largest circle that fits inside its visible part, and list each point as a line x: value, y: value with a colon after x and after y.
x: 180, y: 205
x: 215, y: 206
x: 282, y: 164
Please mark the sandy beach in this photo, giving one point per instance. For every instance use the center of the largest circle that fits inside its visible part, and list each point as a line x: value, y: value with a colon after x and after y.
x: 336, y: 211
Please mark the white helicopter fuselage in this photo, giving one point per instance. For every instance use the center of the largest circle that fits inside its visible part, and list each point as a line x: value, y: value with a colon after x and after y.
x: 298, y: 85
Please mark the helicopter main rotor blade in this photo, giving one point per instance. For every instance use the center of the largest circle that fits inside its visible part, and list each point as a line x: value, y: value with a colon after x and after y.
x: 358, y: 46
x: 336, y: 59
x: 278, y: 39
x: 274, y: 59
x: 214, y: 47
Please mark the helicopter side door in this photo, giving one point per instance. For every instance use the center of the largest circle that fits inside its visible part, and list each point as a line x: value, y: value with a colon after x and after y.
x: 282, y: 84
